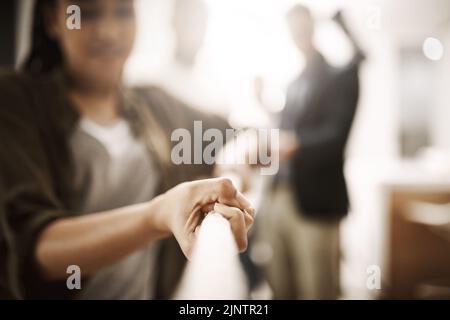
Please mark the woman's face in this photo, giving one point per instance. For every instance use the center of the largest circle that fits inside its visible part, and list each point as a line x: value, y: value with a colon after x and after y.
x: 95, y: 55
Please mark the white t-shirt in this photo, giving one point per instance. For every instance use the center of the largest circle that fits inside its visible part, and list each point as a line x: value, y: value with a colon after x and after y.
x: 113, y: 170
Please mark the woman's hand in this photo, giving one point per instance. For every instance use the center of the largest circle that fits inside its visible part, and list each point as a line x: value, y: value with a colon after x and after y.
x: 183, y: 208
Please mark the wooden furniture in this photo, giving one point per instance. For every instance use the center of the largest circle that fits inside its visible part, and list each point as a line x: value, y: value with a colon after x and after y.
x: 418, y: 258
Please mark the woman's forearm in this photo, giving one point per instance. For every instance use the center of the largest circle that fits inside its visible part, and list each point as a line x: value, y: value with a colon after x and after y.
x: 97, y: 240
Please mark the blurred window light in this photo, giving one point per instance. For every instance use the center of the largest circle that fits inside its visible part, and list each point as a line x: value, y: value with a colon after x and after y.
x: 244, y: 40
x: 433, y: 49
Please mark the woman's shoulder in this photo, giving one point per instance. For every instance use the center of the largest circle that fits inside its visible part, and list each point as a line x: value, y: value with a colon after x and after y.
x: 12, y: 81
x: 15, y: 87
x: 21, y: 82
x: 163, y: 103
x: 154, y: 93
x: 22, y: 96
x: 174, y: 113
x: 159, y: 98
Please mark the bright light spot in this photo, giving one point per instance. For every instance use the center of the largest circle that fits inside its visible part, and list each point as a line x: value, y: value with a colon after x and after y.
x: 274, y: 99
x: 433, y: 49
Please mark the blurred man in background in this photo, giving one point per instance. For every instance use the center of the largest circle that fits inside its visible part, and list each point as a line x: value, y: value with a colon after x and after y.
x: 310, y: 194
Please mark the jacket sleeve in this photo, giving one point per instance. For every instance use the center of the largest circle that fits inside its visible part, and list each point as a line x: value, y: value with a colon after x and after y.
x: 27, y: 203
